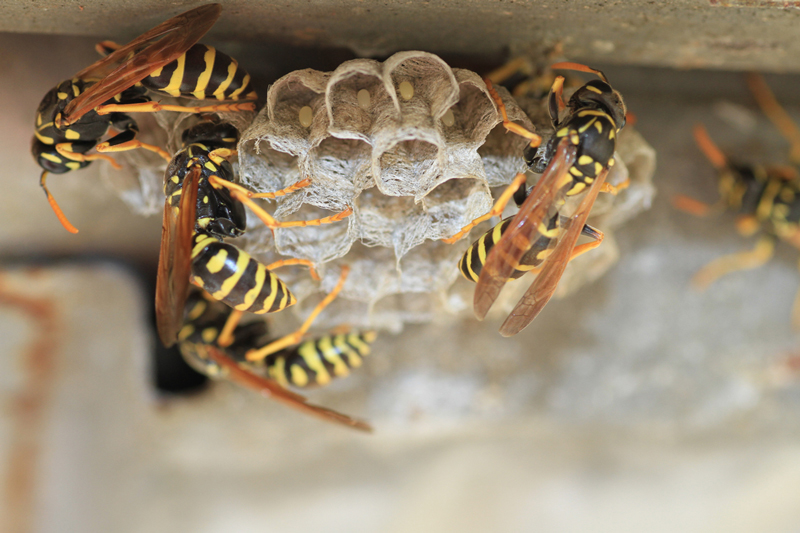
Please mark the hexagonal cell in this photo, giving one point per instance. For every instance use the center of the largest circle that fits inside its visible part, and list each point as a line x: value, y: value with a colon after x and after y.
x: 357, y: 98
x: 296, y: 111
x: 407, y: 168
x: 423, y: 82
x: 341, y: 166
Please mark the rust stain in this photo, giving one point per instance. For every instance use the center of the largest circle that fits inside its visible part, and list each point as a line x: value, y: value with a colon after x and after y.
x: 28, y: 410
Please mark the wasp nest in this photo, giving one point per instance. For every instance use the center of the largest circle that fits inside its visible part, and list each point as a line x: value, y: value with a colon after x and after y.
x: 415, y: 149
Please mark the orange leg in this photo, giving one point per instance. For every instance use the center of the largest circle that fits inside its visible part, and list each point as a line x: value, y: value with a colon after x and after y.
x: 218, y: 183
x: 288, y: 262
x: 65, y: 150
x: 558, y: 90
x: 497, y: 210
x: 614, y: 189
x: 770, y: 106
x: 153, y: 107
x: 578, y: 67
x: 132, y: 145
x: 712, y: 152
x: 225, y: 337
x: 240, y: 193
x: 536, y: 140
x: 581, y: 249
x: 297, y: 336
x: 732, y: 263
x: 520, y: 64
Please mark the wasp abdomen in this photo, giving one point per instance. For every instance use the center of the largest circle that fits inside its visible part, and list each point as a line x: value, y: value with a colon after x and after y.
x: 202, y: 73
x: 236, y: 278
x: 318, y: 361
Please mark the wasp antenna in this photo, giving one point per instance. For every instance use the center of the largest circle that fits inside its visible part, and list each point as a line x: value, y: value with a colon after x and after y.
x: 56, y: 209
x: 566, y: 65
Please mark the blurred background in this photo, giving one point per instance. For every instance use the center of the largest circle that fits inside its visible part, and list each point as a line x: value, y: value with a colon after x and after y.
x: 635, y: 404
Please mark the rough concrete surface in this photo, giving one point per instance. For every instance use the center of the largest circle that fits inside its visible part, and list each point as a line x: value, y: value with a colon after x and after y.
x: 636, y: 404
x: 735, y: 34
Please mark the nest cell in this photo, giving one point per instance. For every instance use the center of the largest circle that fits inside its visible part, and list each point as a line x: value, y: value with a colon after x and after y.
x: 358, y: 101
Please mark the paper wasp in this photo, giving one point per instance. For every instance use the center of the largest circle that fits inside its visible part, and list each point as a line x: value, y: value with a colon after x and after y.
x: 75, y: 115
x: 313, y: 362
x: 767, y: 198
x: 203, y: 206
x: 543, y: 234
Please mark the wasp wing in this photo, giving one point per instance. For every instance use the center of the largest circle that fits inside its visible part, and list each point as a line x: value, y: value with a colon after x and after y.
x: 543, y: 287
x: 269, y: 388
x: 505, y: 256
x: 175, y: 260
x: 133, y: 62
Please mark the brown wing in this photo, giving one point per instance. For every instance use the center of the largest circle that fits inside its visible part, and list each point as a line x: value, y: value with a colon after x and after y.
x: 175, y: 260
x: 540, y: 291
x: 269, y: 388
x: 136, y: 60
x: 505, y: 256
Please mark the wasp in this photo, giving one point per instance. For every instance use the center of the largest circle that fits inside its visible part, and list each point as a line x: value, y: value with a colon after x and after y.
x: 74, y: 116
x: 311, y: 363
x: 542, y: 236
x: 203, y: 207
x: 767, y: 197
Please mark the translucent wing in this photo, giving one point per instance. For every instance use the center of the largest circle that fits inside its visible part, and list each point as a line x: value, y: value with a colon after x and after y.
x: 269, y: 388
x: 133, y: 62
x: 543, y: 287
x: 175, y: 260
x: 505, y: 256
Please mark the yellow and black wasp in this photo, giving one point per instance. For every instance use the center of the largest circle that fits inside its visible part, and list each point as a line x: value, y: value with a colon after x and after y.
x: 766, y: 197
x: 74, y: 116
x: 541, y: 236
x: 312, y: 363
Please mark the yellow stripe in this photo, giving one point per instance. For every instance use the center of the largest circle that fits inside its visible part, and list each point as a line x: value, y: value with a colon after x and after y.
x: 156, y: 73
x: 202, y: 80
x: 311, y: 356
x: 73, y: 166
x: 331, y: 355
x: 592, y: 113
x: 271, y: 295
x: 235, y: 94
x: 230, y: 283
x: 578, y: 187
x: 216, y: 263
x: 467, y: 262
x: 51, y: 157
x: 252, y: 294
x: 585, y: 160
x: 208, y: 335
x: 278, y: 372
x: 299, y: 376
x: 220, y: 92
x: 44, y: 139
x: 210, y: 166
x: 587, y: 125
x: 174, y: 86
x: 340, y: 341
x: 356, y: 342
x: 202, y: 243
x: 593, y: 89
x: 549, y: 233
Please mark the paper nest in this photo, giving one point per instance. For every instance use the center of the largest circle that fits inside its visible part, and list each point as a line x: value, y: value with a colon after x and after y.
x: 414, y: 171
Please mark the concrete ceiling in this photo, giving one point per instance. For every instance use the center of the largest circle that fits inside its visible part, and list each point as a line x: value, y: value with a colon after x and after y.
x: 730, y: 34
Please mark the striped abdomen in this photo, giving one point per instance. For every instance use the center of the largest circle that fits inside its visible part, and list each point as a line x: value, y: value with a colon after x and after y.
x: 203, y: 73
x: 474, y: 258
x: 318, y: 361
x: 232, y: 276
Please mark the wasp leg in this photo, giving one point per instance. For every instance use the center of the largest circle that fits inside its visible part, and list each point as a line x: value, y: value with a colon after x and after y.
x: 240, y: 193
x: 694, y: 207
x: 755, y: 258
x: 555, y: 102
x: 707, y: 146
x: 776, y: 113
x: 65, y: 149
x: 520, y: 64
x: 154, y: 107
x: 592, y: 232
x: 614, y: 189
x: 288, y: 262
x: 217, y: 183
x: 104, y: 48
x: 225, y: 337
x: 536, y: 140
x: 497, y: 210
x: 126, y: 139
x: 297, y: 336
